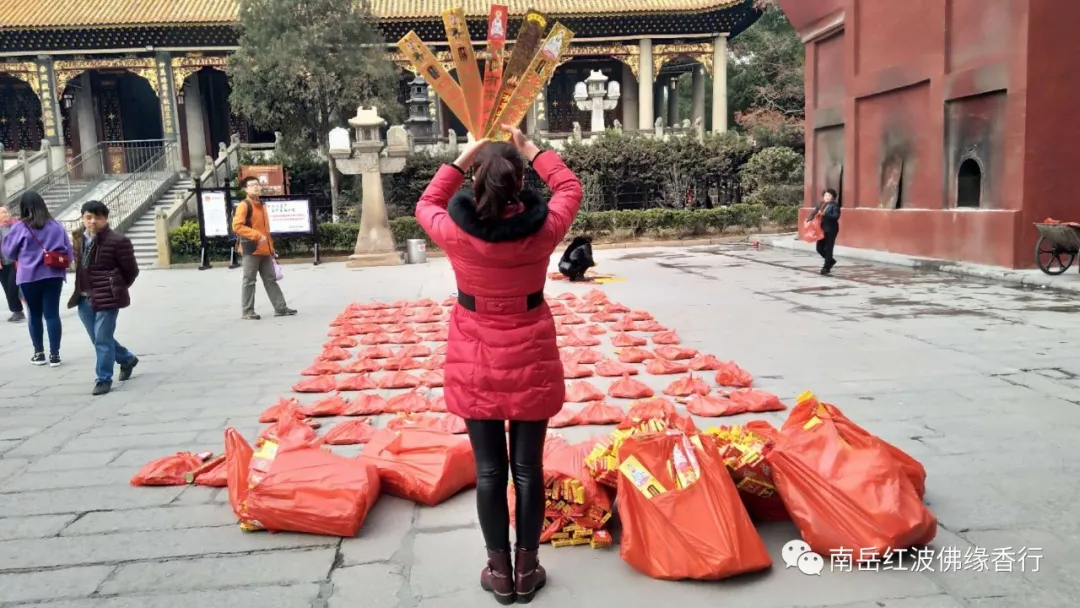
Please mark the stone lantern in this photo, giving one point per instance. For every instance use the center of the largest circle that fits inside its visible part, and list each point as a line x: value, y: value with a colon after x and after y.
x: 592, y: 96
x: 365, y: 157
x: 419, y: 122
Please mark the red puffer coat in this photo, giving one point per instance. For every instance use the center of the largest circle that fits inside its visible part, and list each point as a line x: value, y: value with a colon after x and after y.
x: 503, y: 360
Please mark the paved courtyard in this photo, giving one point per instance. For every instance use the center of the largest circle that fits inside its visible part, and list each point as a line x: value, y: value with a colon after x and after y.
x: 979, y: 381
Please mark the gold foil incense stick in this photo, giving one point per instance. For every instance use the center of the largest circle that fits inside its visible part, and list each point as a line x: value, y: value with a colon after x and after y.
x: 421, y: 58
x: 498, y: 19
x: 531, y: 82
x: 468, y: 73
x: 525, y: 49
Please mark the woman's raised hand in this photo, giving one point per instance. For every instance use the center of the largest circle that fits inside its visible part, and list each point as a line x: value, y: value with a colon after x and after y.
x: 467, y: 157
x: 528, y: 149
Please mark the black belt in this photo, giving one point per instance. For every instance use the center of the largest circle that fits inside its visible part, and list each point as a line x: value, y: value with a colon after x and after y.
x: 500, y: 305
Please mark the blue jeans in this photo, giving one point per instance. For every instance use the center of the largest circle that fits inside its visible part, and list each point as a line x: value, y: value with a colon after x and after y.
x: 43, y: 302
x: 101, y: 326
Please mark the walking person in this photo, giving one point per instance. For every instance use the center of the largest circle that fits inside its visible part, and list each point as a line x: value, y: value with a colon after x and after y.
x: 829, y: 208
x: 503, y: 359
x: 105, y: 270
x: 252, y: 227
x: 40, y: 247
x: 7, y: 271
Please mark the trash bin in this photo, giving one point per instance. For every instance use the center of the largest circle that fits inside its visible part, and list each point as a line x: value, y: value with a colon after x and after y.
x: 416, y: 251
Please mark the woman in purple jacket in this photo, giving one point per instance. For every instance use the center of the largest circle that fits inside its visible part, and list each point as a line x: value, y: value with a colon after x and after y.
x: 27, y: 243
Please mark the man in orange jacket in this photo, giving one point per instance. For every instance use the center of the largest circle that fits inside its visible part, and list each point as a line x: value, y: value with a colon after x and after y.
x: 252, y: 227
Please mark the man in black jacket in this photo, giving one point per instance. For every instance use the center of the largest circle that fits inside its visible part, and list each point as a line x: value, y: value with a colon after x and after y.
x: 105, y: 268
x: 829, y: 208
x: 577, y: 259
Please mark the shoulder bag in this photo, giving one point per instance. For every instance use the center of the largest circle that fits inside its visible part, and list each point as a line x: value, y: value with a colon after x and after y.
x: 53, y: 259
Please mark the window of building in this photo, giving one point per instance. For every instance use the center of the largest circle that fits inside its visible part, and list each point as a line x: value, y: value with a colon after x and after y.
x: 969, y: 184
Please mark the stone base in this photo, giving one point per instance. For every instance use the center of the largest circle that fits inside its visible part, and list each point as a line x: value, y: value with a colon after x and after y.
x: 367, y: 260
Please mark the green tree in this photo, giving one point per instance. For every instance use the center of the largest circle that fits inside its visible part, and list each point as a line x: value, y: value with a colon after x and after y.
x: 304, y: 66
x: 765, y: 68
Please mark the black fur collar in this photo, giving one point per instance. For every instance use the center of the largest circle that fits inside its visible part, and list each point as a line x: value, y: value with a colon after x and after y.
x: 525, y: 224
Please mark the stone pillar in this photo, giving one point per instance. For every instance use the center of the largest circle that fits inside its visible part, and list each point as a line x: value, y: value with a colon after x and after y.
x: 196, y: 125
x: 50, y: 103
x: 630, y: 118
x: 698, y: 100
x: 673, y: 101
x: 719, y: 85
x: 645, y: 84
x: 86, y: 119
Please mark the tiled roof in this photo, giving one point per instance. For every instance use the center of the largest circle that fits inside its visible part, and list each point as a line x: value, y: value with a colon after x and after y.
x: 27, y: 14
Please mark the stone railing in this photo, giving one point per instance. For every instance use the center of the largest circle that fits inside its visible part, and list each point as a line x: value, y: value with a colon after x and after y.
x: 30, y: 170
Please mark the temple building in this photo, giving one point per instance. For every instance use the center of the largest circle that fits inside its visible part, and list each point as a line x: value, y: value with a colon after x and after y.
x: 87, y: 74
x: 949, y: 126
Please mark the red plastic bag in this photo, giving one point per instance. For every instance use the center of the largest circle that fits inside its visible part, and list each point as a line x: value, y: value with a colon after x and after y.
x: 350, y: 432
x: 685, y: 387
x: 701, y: 531
x: 628, y: 388
x: 573, y: 370
x: 802, y: 415
x: 426, y: 315
x: 625, y: 324
x: 290, y: 407
x: 596, y: 330
x: 334, y: 353
x: 666, y: 337
x: 432, y: 363
x: 375, y: 352
x: 845, y: 489
x: 811, y: 231
x: 334, y: 405
x: 342, y: 342
x: 623, y: 339
x: 756, y: 401
x: 167, y: 471
x: 422, y: 465
x: 604, y: 317
x: 362, y: 366
x: 407, y: 337
x: 399, y: 380
x: 663, y: 367
x: 317, y: 384
x: 380, y: 337
x: 289, y: 432
x: 408, y: 420
x: 213, y: 474
x: 440, y: 336
x: 705, y: 363
x: 651, y: 326
x: 616, y: 308
x: 366, y: 405
x: 566, y: 296
x: 599, y: 412
x: 577, y: 337
x: 322, y: 368
x: 432, y: 379
x: 713, y: 406
x: 438, y: 404
x: 428, y: 328
x: 639, y: 315
x: 394, y: 328
x: 442, y: 349
x: 675, y: 353
x: 397, y: 364
x: 660, y: 409
x: 572, y: 319
x: 635, y: 355
x: 365, y: 328
x: 614, y: 369
x: 356, y: 382
x: 453, y: 424
x: 586, y: 308
x: 582, y: 391
x: 731, y: 374
x: 414, y: 350
x: 412, y: 402
x: 585, y: 356
x: 565, y: 417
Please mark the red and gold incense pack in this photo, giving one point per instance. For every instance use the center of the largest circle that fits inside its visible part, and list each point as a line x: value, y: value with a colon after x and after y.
x: 468, y: 73
x: 448, y: 90
x: 525, y: 49
x: 493, y: 68
x: 531, y: 82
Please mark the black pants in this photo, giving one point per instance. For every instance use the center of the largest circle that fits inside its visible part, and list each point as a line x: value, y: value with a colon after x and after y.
x: 526, y: 463
x: 11, y: 290
x: 825, y: 247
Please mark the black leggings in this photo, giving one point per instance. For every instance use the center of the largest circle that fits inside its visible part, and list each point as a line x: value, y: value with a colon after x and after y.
x: 825, y: 246
x: 526, y: 462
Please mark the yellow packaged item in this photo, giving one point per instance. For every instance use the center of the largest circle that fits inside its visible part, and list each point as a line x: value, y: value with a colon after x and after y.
x: 642, y: 479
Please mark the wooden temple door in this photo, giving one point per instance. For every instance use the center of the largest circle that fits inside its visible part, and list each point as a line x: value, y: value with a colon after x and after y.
x: 111, y: 123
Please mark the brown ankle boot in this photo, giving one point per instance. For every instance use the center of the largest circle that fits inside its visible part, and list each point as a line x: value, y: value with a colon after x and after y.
x: 497, y: 577
x: 529, y: 575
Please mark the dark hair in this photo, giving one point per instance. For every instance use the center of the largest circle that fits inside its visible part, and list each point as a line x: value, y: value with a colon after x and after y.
x: 34, y: 212
x: 247, y: 180
x: 97, y: 208
x: 498, y: 179
x: 832, y: 192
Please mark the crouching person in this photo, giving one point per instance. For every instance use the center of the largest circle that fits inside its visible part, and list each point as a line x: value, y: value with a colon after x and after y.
x: 105, y: 268
x: 577, y: 259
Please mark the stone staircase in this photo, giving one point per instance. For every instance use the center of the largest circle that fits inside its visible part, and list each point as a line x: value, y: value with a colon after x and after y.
x: 59, y: 196
x: 142, y: 233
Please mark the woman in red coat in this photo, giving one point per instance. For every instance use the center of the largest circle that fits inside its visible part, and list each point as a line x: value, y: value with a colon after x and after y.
x: 503, y: 360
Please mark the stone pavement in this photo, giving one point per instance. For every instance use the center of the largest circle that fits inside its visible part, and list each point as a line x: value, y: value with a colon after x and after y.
x: 978, y: 380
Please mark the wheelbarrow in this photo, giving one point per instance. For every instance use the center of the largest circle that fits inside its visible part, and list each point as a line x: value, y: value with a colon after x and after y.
x: 1058, y: 246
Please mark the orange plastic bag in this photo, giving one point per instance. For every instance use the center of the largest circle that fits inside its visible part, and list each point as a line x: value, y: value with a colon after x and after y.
x: 756, y: 401
x: 596, y: 330
x: 317, y: 384
x: 623, y: 339
x: 702, y: 363
x: 414, y: 350
x: 660, y: 409
x: 565, y: 417
x: 812, y: 232
x: 675, y: 353
x: 651, y: 326
x: 701, y: 531
x: 397, y: 364
x: 685, y: 387
x: 366, y: 405
x: 215, y: 475
x: 453, y: 424
x: 628, y: 388
x: 577, y: 338
x: 350, y: 432
x: 666, y: 337
x: 362, y: 366
x: 167, y: 471
x: 334, y: 405
x: 356, y: 382
x: 322, y: 368
x: 731, y: 374
x: 566, y: 296
x: 440, y: 336
x: 407, y: 337
x: 572, y: 319
x: 409, y: 420
x: 624, y: 325
x: 614, y: 369
x: 428, y: 328
x: 432, y: 379
x: 635, y: 355
x: 639, y: 315
x: 599, y: 412
x: 290, y: 431
x: 586, y: 308
x: 422, y: 465
x: 399, y: 380
x: 375, y: 352
x: 438, y: 404
x: 573, y: 370
x: 604, y: 317
x: 615, y: 307
x: 380, y: 337
x: 284, y: 407
x: 745, y: 450
x: 582, y: 391
x: 432, y: 363
x: 714, y: 406
x: 845, y: 489
x: 801, y: 415
x: 342, y: 342
x: 663, y: 367
x: 584, y: 356
x: 411, y: 402
x: 334, y: 353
